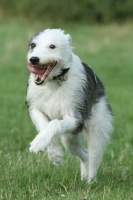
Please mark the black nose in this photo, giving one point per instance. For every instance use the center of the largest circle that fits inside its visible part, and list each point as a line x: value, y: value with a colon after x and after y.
x: 34, y: 60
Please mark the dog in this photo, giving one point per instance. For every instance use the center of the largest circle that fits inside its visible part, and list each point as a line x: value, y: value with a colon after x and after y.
x: 66, y: 99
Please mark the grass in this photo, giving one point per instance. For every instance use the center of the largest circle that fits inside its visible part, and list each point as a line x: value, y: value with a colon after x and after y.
x: 25, y: 176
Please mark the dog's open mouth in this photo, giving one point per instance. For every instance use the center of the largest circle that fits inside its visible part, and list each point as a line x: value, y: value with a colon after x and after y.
x: 41, y: 71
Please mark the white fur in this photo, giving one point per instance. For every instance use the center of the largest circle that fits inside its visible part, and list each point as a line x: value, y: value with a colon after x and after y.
x: 51, y: 107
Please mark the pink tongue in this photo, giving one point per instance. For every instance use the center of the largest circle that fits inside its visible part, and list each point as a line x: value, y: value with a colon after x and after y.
x: 36, y: 70
x: 40, y: 73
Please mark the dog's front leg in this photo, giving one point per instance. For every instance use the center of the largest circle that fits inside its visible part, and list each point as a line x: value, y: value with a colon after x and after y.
x: 39, y: 119
x: 54, y: 127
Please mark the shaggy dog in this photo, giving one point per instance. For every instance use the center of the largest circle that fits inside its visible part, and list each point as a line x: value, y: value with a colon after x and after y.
x: 65, y: 99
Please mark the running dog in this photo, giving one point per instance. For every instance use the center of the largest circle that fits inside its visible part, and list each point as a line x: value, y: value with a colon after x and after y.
x: 66, y: 99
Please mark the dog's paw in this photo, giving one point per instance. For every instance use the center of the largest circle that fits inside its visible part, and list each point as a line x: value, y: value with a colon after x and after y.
x: 58, y: 162
x: 38, y: 144
x: 57, y: 159
x: 92, y: 180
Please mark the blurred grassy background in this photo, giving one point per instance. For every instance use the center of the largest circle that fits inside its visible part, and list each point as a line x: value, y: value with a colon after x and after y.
x: 85, y: 11
x: 108, y: 48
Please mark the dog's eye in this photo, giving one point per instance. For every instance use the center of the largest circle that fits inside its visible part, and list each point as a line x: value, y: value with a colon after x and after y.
x: 52, y: 46
x: 32, y: 45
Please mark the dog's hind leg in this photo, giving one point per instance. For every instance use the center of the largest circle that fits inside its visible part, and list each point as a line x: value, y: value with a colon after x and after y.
x: 73, y: 145
x: 55, y: 152
x: 99, y: 127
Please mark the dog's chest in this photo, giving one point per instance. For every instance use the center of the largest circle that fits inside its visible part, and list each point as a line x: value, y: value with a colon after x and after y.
x: 54, y: 102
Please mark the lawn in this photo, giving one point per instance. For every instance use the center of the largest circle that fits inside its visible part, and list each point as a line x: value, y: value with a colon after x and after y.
x: 25, y: 176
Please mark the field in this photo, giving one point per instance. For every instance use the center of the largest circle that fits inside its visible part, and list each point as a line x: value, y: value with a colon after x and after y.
x: 25, y: 176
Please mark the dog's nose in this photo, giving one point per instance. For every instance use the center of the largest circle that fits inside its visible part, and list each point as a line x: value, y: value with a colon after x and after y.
x: 34, y: 60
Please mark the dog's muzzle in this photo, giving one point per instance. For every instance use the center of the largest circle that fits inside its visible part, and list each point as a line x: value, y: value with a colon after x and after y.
x: 41, y: 71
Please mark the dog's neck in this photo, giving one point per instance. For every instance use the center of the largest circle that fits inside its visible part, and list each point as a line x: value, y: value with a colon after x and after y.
x: 62, y: 76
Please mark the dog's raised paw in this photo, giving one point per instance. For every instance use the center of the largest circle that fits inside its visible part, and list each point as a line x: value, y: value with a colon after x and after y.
x: 37, y: 145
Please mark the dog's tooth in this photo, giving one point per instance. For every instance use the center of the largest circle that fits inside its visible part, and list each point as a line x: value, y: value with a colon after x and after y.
x: 54, y: 62
x: 36, y: 77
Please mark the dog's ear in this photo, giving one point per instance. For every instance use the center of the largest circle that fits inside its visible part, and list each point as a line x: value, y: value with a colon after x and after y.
x: 69, y: 38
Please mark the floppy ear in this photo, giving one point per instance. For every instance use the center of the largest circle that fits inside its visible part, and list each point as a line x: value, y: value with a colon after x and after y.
x: 69, y: 38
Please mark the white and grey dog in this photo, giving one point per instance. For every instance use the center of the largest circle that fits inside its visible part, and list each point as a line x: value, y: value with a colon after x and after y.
x: 65, y: 99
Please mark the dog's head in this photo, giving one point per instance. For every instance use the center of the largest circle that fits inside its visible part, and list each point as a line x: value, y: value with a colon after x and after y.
x: 49, y: 52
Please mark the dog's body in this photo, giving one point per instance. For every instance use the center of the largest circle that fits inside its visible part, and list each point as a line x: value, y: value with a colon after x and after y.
x: 65, y: 98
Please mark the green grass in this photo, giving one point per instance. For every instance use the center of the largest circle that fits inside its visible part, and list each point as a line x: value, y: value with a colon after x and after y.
x: 25, y: 176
